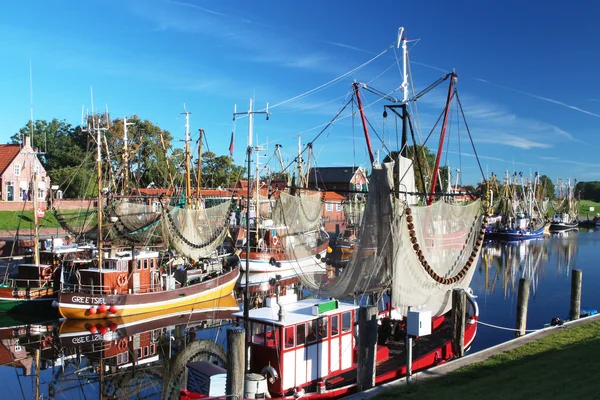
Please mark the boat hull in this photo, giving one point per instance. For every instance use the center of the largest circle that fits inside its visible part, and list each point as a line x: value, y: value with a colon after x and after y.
x: 563, y: 226
x: 262, y: 270
x: 515, y: 234
x: 74, y: 305
x: 20, y: 300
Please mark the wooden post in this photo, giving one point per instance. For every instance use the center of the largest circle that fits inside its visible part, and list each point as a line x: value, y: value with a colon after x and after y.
x: 235, y: 362
x: 575, y: 309
x: 459, y: 312
x: 522, y: 301
x: 367, y: 335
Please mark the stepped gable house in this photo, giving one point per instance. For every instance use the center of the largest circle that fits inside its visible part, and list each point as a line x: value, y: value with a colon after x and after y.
x: 18, y: 166
x: 343, y: 180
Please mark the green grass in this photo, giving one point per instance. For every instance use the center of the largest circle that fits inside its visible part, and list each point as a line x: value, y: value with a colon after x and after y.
x: 563, y: 365
x: 12, y: 219
x: 584, y: 208
x: 23, y: 220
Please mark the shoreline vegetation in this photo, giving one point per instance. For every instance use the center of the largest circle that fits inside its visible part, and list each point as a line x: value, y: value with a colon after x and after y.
x: 562, y: 365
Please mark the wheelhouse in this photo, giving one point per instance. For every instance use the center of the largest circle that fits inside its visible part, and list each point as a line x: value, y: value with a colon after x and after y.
x: 314, y: 341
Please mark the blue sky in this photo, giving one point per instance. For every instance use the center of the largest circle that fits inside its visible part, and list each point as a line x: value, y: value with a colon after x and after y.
x: 528, y: 76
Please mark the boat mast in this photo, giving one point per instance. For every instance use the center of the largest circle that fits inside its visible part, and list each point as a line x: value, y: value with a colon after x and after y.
x: 438, y: 157
x: 36, y: 222
x: 188, y: 183
x: 364, y: 121
x: 126, y: 155
x: 250, y: 114
x: 199, y: 176
x: 98, y: 132
x: 164, y: 149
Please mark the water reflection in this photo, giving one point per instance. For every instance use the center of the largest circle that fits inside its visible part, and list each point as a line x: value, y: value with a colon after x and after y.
x: 123, y: 358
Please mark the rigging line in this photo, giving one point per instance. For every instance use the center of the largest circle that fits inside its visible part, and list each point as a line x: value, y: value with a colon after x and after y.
x: 470, y: 137
x: 333, y: 80
x: 320, y: 133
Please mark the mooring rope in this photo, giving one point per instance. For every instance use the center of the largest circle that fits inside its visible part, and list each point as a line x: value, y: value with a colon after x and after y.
x: 508, y: 329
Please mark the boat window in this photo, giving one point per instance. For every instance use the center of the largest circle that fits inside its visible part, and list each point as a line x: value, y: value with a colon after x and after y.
x: 271, y: 336
x: 258, y: 333
x: 139, y: 353
x: 146, y: 351
x: 300, y: 334
x: 145, y: 264
x: 346, y: 321
x: 323, y: 332
x: 139, y: 264
x: 311, y: 335
x: 289, y: 337
x: 334, y: 325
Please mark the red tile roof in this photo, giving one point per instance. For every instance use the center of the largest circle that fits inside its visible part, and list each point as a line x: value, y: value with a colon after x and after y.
x: 329, y: 196
x: 8, y: 152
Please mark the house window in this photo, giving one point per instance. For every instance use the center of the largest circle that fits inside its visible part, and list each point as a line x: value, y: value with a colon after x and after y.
x: 328, y: 207
x: 17, y: 169
x: 339, y: 207
x: 40, y: 193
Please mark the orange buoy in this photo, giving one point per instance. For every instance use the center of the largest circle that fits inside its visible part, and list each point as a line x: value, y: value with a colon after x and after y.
x: 103, y: 330
x: 112, y: 309
x: 92, y: 310
x: 102, y: 308
x: 93, y: 329
x: 112, y: 326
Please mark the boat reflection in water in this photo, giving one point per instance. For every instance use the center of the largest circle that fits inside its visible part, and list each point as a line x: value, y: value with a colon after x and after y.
x: 131, y: 357
x: 505, y: 263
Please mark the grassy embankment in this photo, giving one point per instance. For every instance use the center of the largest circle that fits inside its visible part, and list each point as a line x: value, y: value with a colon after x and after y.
x: 563, y: 365
x: 584, y: 208
x: 23, y: 220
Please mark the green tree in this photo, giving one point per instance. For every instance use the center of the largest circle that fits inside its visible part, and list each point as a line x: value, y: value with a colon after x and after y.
x: 547, y: 189
x: 219, y: 170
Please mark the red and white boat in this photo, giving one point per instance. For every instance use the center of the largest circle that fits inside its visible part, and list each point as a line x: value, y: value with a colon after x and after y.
x: 312, y: 352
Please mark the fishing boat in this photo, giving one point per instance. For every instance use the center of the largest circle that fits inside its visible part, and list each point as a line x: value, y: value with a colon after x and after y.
x: 566, y: 209
x: 412, y: 250
x: 283, y: 237
x: 125, y: 282
x: 518, y: 216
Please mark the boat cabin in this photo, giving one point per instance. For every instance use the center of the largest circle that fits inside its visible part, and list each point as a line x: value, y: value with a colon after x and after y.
x: 126, y: 272
x: 313, y: 341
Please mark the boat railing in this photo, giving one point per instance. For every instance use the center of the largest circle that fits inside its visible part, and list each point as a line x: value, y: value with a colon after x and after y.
x: 29, y: 288
x: 105, y: 289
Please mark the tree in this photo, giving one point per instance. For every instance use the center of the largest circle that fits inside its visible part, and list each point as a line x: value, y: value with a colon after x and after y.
x: 547, y: 187
x: 219, y: 170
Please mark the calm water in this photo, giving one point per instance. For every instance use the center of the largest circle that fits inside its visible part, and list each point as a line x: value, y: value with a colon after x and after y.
x: 74, y: 357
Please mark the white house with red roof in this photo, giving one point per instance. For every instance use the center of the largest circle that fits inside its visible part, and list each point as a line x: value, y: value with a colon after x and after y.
x: 18, y: 167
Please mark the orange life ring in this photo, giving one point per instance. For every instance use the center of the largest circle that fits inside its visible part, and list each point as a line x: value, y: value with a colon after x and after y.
x: 122, y: 280
x: 47, y: 272
x: 122, y: 344
x: 275, y: 241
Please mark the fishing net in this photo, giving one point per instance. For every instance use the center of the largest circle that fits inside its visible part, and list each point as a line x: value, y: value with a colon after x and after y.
x: 420, y: 253
x: 196, y: 233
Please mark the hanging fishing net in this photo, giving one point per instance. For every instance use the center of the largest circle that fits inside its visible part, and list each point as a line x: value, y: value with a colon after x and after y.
x: 420, y: 253
x: 196, y: 233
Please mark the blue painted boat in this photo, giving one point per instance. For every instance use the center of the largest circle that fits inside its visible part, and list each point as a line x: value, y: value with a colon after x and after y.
x: 514, y: 234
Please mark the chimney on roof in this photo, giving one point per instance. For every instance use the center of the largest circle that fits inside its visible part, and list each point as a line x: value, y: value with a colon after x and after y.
x: 26, y: 141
